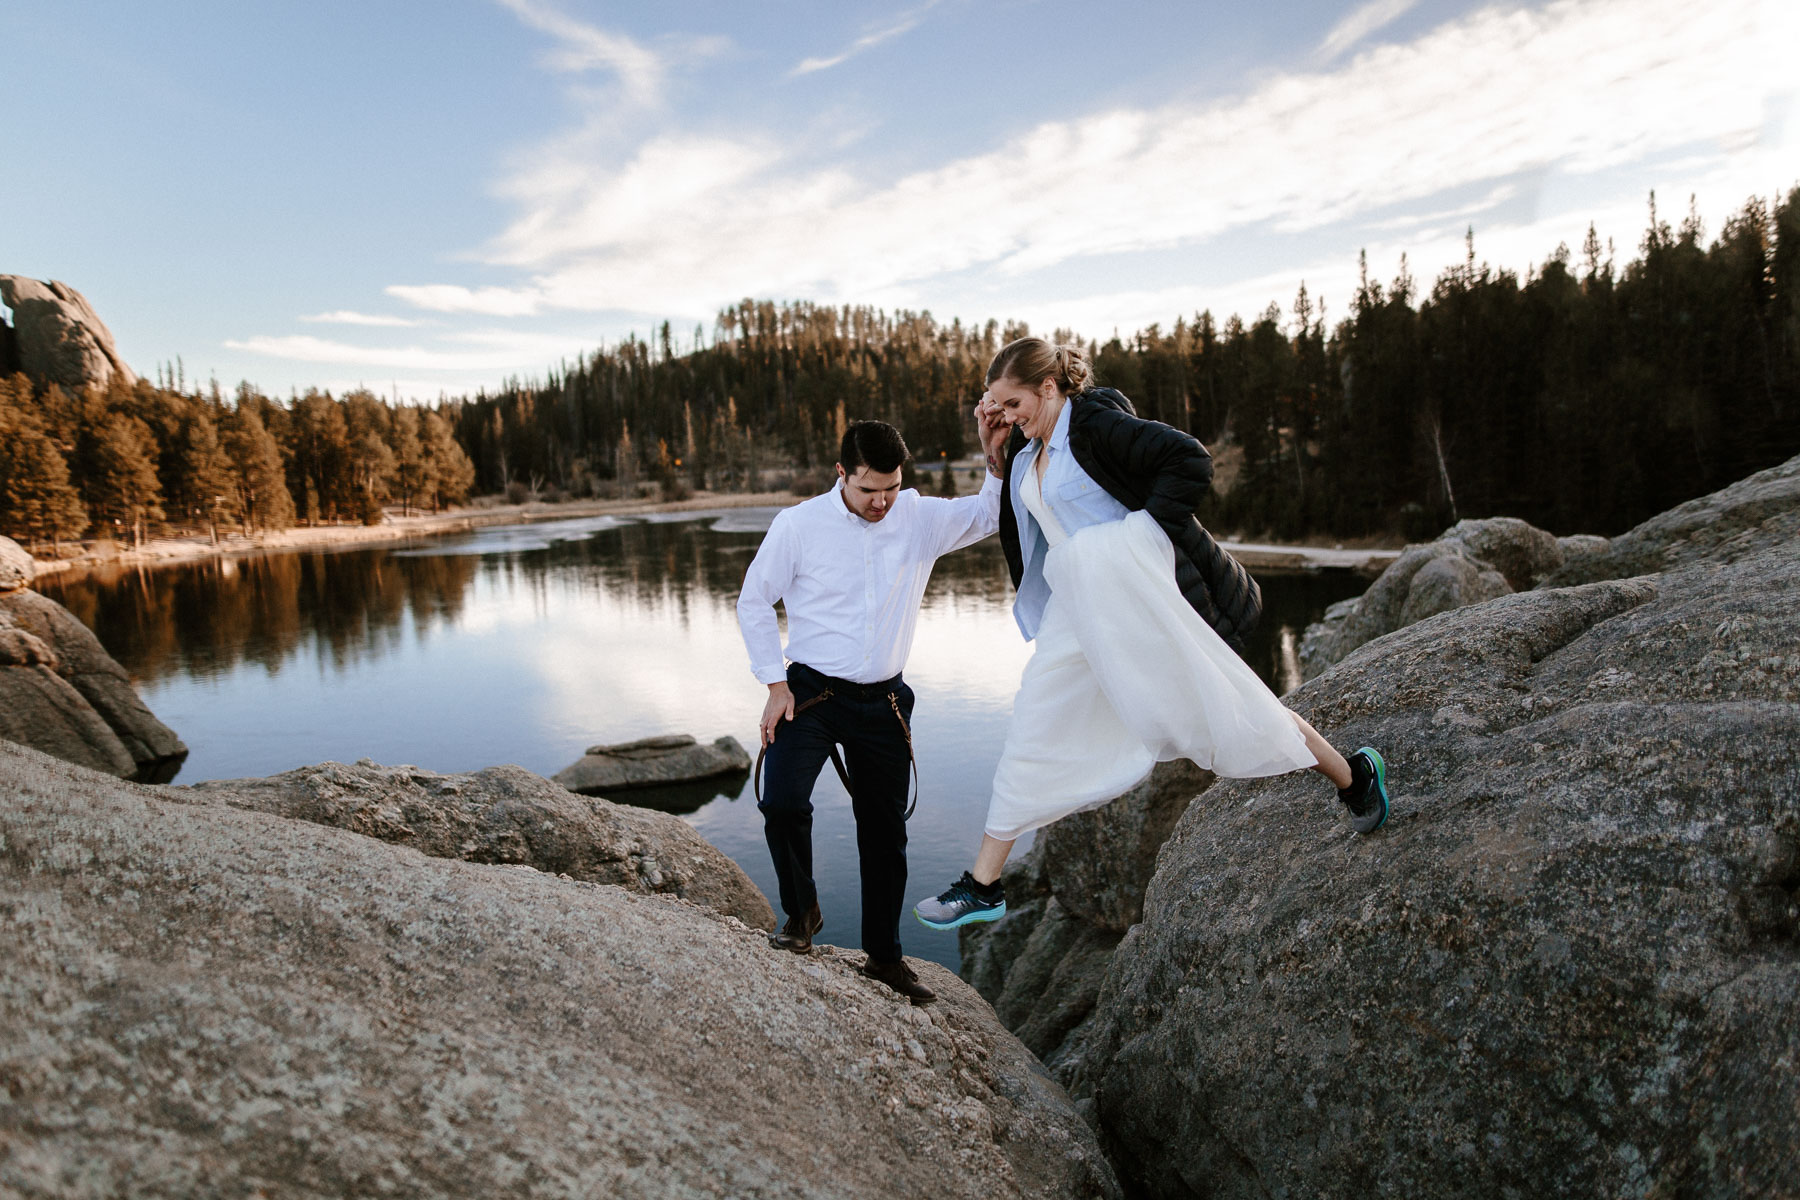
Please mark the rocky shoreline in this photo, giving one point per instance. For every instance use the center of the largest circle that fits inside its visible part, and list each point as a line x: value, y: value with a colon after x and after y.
x: 1570, y: 965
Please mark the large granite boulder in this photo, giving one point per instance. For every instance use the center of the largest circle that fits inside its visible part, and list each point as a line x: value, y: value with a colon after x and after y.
x: 1470, y: 562
x: 205, y: 1001
x: 1570, y: 965
x: 1041, y: 967
x: 62, y: 693
x: 652, y: 762
x: 1522, y: 553
x: 58, y: 337
x: 1068, y: 902
x: 1474, y: 561
x: 1449, y: 581
x: 1100, y: 861
x: 507, y: 815
x: 9, y: 349
x: 1425, y: 580
x: 17, y: 567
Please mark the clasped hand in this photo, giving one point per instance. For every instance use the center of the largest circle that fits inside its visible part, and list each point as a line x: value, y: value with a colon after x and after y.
x: 992, y: 425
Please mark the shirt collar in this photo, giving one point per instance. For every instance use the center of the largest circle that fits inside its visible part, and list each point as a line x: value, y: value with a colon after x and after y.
x: 837, y: 502
x: 1059, y: 437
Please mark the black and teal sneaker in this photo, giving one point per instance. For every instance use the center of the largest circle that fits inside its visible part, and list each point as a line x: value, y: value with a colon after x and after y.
x: 963, y: 903
x: 1367, y: 795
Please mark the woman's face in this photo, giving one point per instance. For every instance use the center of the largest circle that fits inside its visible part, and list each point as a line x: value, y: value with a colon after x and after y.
x: 1033, y: 409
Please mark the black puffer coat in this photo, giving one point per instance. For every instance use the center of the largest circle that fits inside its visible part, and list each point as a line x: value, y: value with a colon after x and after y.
x: 1157, y: 468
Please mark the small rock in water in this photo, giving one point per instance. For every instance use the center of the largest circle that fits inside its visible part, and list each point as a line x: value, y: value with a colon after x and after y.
x: 652, y: 762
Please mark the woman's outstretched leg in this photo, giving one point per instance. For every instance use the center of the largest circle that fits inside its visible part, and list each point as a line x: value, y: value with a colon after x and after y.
x: 1331, y: 764
x: 1360, y: 778
x: 991, y: 858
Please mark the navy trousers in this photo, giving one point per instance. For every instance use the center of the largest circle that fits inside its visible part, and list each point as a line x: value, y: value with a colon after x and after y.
x: 858, y: 718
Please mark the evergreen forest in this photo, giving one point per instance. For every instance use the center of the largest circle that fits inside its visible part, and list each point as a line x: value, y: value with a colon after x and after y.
x: 1583, y: 396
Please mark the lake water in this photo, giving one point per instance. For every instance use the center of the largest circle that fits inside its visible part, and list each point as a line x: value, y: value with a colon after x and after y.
x: 527, y: 644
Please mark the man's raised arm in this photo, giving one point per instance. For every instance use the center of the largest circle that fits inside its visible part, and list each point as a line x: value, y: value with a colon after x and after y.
x: 967, y: 519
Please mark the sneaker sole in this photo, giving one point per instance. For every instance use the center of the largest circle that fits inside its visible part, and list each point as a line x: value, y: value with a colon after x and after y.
x: 1381, y: 791
x: 974, y: 918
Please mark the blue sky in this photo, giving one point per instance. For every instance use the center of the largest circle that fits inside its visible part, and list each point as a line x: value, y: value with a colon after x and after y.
x: 431, y: 197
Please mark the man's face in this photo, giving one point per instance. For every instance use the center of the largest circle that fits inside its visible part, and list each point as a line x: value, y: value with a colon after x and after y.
x: 870, y: 493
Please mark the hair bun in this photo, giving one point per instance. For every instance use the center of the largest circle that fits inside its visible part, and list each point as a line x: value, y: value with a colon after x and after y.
x: 1072, y: 370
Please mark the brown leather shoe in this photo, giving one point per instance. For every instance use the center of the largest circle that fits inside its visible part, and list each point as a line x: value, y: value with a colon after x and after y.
x: 797, y: 934
x: 900, y: 977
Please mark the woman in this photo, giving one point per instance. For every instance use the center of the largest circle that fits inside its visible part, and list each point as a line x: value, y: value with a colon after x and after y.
x: 1132, y: 605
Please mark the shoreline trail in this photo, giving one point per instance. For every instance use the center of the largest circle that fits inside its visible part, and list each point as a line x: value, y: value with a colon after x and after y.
x: 198, y: 547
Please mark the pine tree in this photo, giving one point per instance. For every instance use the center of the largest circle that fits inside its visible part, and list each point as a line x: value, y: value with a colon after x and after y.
x: 410, y: 467
x: 263, y: 499
x: 450, y: 474
x: 16, y: 409
x: 121, y: 488
x: 319, y: 457
x: 370, y: 459
x: 37, y: 502
x: 206, y: 485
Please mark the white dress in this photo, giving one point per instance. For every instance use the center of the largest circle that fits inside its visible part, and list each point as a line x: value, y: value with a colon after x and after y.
x: 1125, y: 675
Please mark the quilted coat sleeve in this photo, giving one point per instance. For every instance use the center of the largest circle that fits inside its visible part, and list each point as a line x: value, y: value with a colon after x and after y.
x: 1178, y: 467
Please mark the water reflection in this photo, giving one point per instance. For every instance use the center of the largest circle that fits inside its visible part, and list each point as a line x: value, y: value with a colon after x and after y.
x: 528, y: 644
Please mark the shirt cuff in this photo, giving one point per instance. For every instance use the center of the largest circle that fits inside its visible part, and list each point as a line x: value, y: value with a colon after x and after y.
x: 768, y: 675
x: 989, y: 481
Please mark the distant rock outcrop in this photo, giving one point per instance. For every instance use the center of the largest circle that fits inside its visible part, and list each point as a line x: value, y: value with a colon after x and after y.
x: 507, y: 815
x: 1473, y: 561
x: 62, y: 693
x: 1570, y: 965
x: 204, y: 1001
x: 57, y: 337
x: 652, y: 762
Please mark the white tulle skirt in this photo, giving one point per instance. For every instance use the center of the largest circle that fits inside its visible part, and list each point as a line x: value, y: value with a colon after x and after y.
x: 1125, y: 675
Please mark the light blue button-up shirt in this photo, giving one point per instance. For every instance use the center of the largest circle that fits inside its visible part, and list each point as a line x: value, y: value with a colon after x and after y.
x: 1073, y: 496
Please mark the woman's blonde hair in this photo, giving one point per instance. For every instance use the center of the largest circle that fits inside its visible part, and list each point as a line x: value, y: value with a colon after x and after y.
x: 1031, y: 360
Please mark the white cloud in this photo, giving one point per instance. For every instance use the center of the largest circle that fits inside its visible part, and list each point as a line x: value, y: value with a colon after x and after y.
x: 346, y: 317
x: 905, y: 24
x: 497, y: 350
x: 687, y: 222
x: 454, y: 298
x: 584, y: 48
x: 1359, y: 23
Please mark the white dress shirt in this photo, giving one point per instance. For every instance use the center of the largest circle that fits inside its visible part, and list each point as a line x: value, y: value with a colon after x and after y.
x: 852, y: 587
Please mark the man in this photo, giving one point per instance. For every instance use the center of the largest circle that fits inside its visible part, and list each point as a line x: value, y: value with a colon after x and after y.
x: 850, y: 567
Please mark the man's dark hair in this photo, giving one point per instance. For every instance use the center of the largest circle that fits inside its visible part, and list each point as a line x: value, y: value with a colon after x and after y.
x: 872, y: 444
